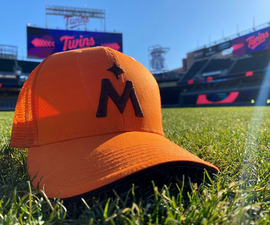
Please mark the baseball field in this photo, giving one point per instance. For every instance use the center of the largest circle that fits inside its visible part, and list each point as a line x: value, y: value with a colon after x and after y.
x: 235, y: 139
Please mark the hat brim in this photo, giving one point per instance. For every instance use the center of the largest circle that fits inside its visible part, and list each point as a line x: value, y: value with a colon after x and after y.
x: 70, y: 168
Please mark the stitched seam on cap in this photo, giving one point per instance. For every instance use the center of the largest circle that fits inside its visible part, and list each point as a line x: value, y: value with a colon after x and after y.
x: 94, y: 131
x: 111, y: 56
x: 144, y: 130
x: 32, y: 96
x: 114, y: 56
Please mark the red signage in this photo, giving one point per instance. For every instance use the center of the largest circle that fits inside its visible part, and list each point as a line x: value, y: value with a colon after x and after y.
x: 70, y: 42
x: 217, y: 98
x: 44, y: 42
x: 253, y: 42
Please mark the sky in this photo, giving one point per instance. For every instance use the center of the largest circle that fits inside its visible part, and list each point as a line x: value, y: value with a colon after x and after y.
x: 180, y: 25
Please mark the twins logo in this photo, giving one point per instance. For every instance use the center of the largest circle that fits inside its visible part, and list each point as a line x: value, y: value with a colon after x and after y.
x: 254, y: 41
x: 108, y: 90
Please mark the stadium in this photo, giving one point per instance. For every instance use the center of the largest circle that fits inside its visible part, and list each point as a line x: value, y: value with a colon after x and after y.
x: 230, y: 73
x: 214, y: 111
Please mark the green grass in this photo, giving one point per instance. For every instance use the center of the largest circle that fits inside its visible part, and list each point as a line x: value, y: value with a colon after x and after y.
x: 234, y: 139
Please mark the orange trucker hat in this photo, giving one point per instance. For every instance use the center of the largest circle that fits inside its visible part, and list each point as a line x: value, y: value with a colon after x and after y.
x: 90, y: 117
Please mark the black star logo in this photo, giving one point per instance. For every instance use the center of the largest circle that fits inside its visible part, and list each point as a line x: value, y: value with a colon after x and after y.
x: 116, y: 70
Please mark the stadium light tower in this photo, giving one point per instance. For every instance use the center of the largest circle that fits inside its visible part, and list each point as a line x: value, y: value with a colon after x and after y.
x: 157, y: 58
x: 83, y: 13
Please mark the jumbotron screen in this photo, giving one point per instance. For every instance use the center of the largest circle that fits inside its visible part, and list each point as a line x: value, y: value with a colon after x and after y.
x: 44, y: 42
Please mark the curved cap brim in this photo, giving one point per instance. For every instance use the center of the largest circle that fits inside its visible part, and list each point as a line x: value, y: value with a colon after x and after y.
x: 71, y: 168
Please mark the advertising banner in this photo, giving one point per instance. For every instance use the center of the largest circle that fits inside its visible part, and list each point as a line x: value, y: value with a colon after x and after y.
x: 253, y: 42
x: 205, y: 52
x: 217, y: 98
x: 211, y: 50
x: 224, y: 45
x: 198, y: 54
x: 44, y: 42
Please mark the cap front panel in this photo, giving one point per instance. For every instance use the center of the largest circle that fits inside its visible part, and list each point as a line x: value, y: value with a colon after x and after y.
x: 74, y: 97
x: 147, y: 93
x: 67, y: 96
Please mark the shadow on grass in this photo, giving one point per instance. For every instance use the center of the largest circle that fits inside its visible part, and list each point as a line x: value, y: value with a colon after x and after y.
x: 170, y: 182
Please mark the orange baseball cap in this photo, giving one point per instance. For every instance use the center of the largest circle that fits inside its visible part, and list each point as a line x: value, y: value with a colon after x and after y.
x: 91, y: 117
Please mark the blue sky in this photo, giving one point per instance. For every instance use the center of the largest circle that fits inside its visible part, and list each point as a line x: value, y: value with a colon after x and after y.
x: 177, y: 24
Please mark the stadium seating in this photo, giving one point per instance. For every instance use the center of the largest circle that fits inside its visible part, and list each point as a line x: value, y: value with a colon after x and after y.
x: 255, y: 62
x: 218, y: 75
x: 27, y: 66
x: 167, y: 76
x: 217, y: 65
x: 11, y: 82
x: 194, y: 69
x: 7, y: 65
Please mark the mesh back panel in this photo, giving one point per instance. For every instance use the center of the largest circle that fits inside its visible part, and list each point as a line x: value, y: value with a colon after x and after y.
x: 24, y: 130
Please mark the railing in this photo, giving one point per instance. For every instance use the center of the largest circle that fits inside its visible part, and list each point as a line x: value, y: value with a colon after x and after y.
x: 233, y: 36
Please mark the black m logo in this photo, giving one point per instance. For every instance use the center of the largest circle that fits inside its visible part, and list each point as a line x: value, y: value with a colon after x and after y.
x: 108, y: 90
